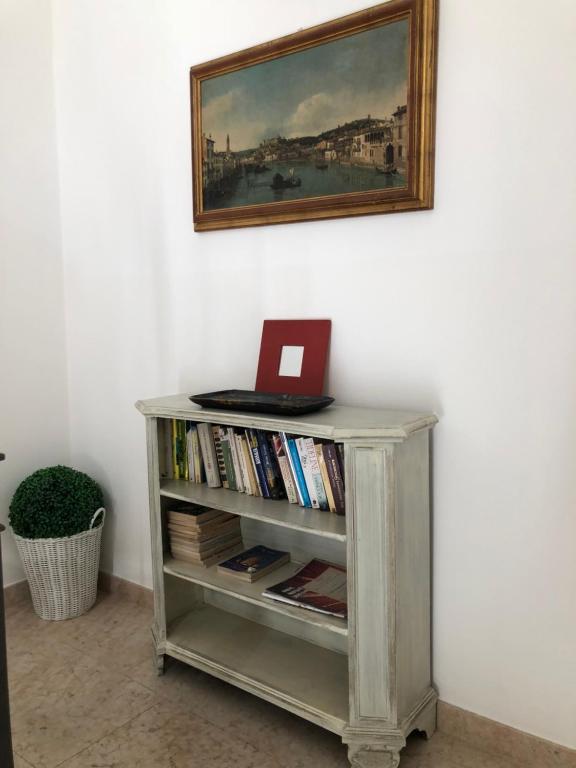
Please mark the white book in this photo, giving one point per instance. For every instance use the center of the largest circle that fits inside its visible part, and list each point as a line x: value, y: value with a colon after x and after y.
x: 209, y: 454
x: 316, y: 473
x: 236, y: 460
x: 305, y: 462
x: 243, y: 468
x: 288, y: 453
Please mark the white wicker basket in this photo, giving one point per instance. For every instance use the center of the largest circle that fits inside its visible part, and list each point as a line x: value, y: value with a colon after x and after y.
x: 63, y: 573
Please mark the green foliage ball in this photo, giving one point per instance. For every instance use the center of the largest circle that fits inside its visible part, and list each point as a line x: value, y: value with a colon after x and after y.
x: 54, y: 502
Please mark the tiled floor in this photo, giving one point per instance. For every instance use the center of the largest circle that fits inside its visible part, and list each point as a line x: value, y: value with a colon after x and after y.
x: 84, y: 694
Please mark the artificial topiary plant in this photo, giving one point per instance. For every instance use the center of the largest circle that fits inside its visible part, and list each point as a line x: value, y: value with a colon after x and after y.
x: 54, y: 502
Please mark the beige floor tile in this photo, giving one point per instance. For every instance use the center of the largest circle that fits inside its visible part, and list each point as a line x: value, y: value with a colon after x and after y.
x: 442, y: 750
x: 19, y: 762
x: 164, y: 737
x: 64, y: 703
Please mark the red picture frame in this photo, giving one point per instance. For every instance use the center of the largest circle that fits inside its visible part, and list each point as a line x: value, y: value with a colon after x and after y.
x: 313, y: 336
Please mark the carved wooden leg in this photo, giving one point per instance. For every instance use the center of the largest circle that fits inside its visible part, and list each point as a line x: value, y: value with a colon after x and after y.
x: 159, y: 662
x: 426, y: 720
x: 373, y: 756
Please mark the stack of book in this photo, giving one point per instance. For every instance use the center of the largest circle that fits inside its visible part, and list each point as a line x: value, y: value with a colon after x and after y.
x: 304, y: 470
x: 202, y: 536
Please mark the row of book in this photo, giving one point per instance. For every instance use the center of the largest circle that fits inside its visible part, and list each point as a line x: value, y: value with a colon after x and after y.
x: 274, y: 465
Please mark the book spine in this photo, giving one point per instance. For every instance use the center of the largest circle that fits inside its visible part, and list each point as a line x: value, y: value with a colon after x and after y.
x: 299, y: 474
x: 315, y: 472
x: 340, y: 455
x: 304, y: 461
x: 219, y: 456
x: 335, y: 477
x: 254, y: 471
x: 175, y: 465
x: 269, y: 465
x: 285, y: 470
x: 227, y: 453
x: 325, y: 478
x: 182, y: 447
x: 167, y: 443
x: 235, y: 460
x: 288, y: 454
x: 243, y: 467
x: 198, y: 464
x: 190, y: 449
x: 258, y: 463
x: 209, y: 455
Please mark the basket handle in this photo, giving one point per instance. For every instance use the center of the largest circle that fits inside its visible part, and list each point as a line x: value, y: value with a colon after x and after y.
x: 98, y: 511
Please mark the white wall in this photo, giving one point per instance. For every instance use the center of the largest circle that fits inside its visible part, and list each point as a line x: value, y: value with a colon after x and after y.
x: 468, y: 310
x: 33, y: 398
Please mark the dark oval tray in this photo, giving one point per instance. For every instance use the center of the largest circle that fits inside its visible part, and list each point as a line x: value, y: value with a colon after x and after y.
x: 261, y: 402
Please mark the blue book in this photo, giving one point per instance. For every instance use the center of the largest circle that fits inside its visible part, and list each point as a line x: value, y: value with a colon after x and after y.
x: 254, y: 447
x: 254, y: 563
x: 299, y: 473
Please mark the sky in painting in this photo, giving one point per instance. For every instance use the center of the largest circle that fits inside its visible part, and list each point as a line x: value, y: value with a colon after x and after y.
x: 311, y: 91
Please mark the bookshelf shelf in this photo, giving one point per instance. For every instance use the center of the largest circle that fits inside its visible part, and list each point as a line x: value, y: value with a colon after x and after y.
x: 278, y: 512
x: 367, y: 679
x: 211, y: 578
x: 289, y: 672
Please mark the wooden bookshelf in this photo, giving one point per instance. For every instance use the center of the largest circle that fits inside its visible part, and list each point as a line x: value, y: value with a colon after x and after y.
x: 367, y: 679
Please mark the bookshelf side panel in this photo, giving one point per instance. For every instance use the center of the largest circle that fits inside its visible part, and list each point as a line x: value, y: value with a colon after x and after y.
x: 370, y: 515
x: 159, y: 627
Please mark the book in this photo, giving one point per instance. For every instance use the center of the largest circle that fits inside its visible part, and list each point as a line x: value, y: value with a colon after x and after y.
x: 248, y: 489
x: 334, y: 476
x: 209, y: 531
x: 166, y: 465
x: 198, y: 463
x: 209, y: 457
x: 319, y: 586
x: 270, y: 466
x: 227, y: 453
x: 183, y: 449
x: 287, y: 451
x: 248, y: 465
x: 219, y: 455
x: 190, y: 557
x: 235, y: 460
x: 285, y: 470
x: 298, y: 473
x: 175, y: 463
x: 254, y: 563
x: 258, y: 487
x: 254, y: 448
x: 305, y: 463
x: 208, y: 547
x: 193, y: 514
x: 325, y: 478
x: 315, y: 472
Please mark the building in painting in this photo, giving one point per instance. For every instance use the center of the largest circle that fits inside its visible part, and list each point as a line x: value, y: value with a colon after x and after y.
x: 374, y: 146
x: 400, y: 136
x: 207, y: 159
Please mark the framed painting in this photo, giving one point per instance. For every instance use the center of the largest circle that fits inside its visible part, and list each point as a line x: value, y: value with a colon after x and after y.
x: 335, y: 120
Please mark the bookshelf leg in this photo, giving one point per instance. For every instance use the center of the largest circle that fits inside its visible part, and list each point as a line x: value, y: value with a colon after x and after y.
x: 372, y: 756
x: 159, y: 662
x: 426, y: 720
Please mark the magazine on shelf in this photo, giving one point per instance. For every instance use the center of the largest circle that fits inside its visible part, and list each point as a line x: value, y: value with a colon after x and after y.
x: 318, y: 586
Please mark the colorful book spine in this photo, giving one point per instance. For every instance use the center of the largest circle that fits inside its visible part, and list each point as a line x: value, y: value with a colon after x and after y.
x: 258, y: 463
x: 235, y: 460
x: 299, y: 474
x: 334, y: 476
x: 227, y: 453
x: 209, y: 457
x: 175, y: 464
x: 288, y: 453
x: 315, y: 472
x: 283, y: 463
x: 325, y: 478
x: 254, y: 473
x: 243, y: 468
x: 219, y: 456
x: 198, y: 476
x: 269, y: 466
x: 305, y: 462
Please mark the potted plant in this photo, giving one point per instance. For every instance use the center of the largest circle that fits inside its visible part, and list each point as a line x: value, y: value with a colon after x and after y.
x: 57, y: 516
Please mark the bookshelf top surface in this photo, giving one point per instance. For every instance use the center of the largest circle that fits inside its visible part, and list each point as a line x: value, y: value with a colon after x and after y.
x: 335, y: 422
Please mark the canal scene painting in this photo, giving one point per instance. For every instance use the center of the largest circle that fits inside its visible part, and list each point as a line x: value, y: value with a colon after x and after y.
x: 313, y: 123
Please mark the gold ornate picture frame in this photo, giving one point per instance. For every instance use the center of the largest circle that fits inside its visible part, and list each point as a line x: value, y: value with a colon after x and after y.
x: 336, y: 120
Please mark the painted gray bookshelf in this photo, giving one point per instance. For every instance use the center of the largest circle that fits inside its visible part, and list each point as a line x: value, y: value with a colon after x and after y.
x: 367, y: 679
